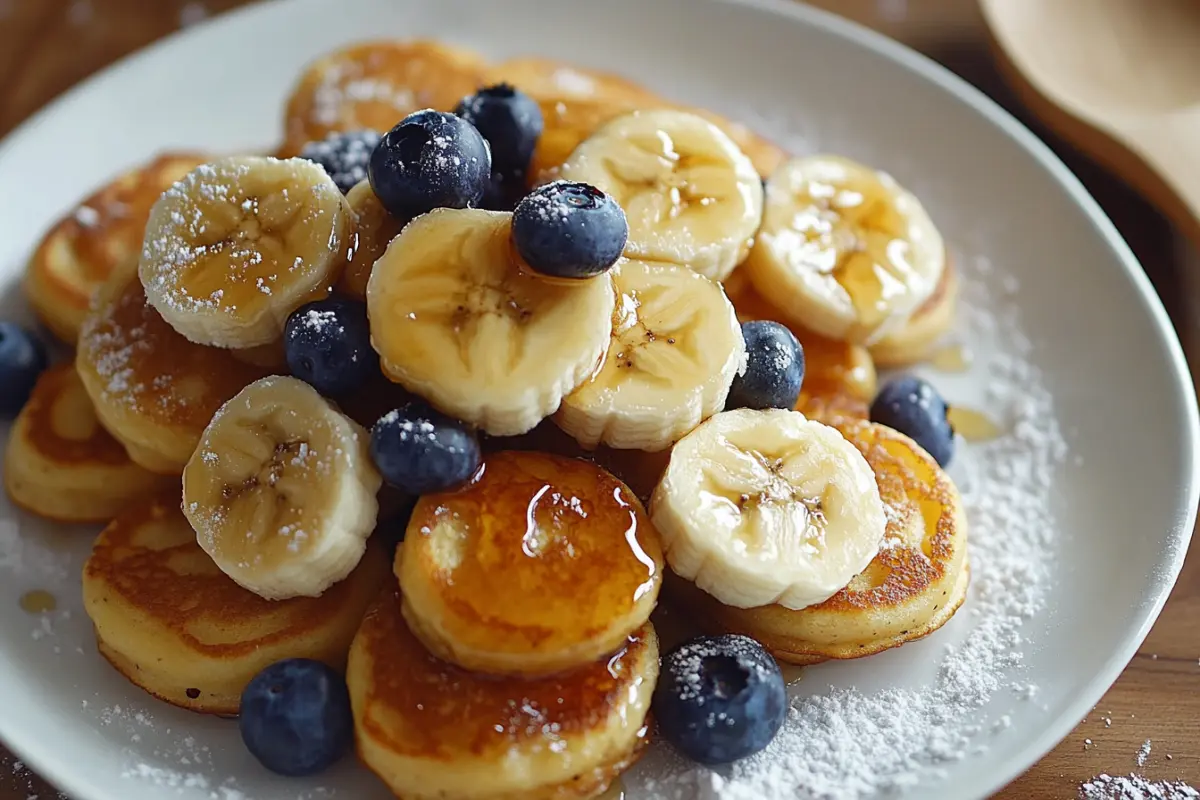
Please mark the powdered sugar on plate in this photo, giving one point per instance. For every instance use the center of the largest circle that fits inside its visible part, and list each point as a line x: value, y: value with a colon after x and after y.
x: 850, y: 743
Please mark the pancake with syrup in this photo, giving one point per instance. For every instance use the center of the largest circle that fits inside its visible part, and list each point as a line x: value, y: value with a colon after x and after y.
x: 373, y: 85
x: 103, y: 232
x: 912, y: 587
x: 540, y: 564
x: 430, y: 729
x: 839, y: 377
x: 153, y: 390
x: 59, y: 462
x: 178, y: 627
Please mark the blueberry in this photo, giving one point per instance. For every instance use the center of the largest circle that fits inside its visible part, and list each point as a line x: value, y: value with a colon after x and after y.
x: 420, y: 451
x: 328, y: 345
x: 510, y: 120
x: 774, y: 368
x: 569, y: 230
x: 502, y: 193
x: 913, y: 407
x: 344, y: 156
x: 295, y: 717
x: 22, y: 359
x: 719, y: 698
x: 430, y: 160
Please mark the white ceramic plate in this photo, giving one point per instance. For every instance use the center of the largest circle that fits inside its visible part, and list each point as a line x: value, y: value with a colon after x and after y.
x: 1073, y: 551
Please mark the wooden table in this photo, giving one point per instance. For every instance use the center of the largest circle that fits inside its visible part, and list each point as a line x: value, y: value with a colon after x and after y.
x: 48, y: 45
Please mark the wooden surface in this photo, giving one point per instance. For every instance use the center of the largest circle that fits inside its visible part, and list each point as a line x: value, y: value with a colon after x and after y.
x: 48, y: 45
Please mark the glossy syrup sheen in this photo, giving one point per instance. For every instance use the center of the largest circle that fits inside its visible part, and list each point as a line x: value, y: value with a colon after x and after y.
x: 419, y: 705
x: 555, y: 549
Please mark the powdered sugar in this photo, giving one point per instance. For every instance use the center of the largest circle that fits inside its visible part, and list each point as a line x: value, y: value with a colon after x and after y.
x: 1135, y: 787
x: 848, y: 743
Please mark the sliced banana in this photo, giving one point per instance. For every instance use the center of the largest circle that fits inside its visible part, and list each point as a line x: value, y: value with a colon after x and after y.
x: 691, y: 196
x: 844, y: 249
x: 281, y: 490
x: 676, y: 348
x: 765, y: 507
x: 457, y: 322
x: 237, y: 245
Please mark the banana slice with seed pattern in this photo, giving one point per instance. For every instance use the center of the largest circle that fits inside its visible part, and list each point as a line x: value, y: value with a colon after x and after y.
x: 763, y: 507
x: 235, y: 246
x: 691, y: 196
x: 281, y: 490
x: 455, y: 321
x: 676, y: 347
x: 848, y: 252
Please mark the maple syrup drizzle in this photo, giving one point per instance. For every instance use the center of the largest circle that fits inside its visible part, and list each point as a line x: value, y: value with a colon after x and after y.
x: 972, y: 425
x: 38, y: 601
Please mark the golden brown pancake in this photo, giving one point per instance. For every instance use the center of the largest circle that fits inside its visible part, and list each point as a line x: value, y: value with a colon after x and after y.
x: 179, y: 628
x: 430, y: 730
x: 78, y: 254
x: 918, y: 338
x: 540, y: 564
x: 153, y: 390
x: 544, y: 78
x: 373, y: 85
x: 59, y: 462
x: 912, y: 587
x: 839, y: 377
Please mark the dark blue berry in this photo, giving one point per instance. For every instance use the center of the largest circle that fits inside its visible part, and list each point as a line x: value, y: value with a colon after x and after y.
x: 913, y: 407
x: 344, y: 156
x: 295, y: 717
x: 328, y: 345
x: 503, y: 194
x: 22, y: 359
x: 430, y: 160
x: 719, y: 698
x: 569, y: 230
x: 511, y: 121
x: 420, y: 451
x: 774, y: 368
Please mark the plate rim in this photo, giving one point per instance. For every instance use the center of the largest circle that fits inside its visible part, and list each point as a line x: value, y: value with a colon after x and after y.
x: 828, y: 23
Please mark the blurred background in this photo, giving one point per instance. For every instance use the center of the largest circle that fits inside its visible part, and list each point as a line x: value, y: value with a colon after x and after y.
x: 1139, y: 57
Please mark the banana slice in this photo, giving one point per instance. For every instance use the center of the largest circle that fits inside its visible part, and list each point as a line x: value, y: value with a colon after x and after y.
x: 691, y: 196
x: 235, y: 246
x: 844, y: 249
x: 676, y: 347
x: 281, y: 490
x: 767, y: 507
x: 457, y: 322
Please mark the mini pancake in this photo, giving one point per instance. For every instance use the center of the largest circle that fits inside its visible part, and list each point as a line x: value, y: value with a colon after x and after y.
x: 176, y: 626
x: 912, y: 587
x: 62, y: 465
x: 153, y: 390
x: 839, y: 377
x: 540, y: 564
x: 104, y: 231
x: 430, y: 730
x: 918, y: 338
x: 373, y: 85
x: 544, y: 78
